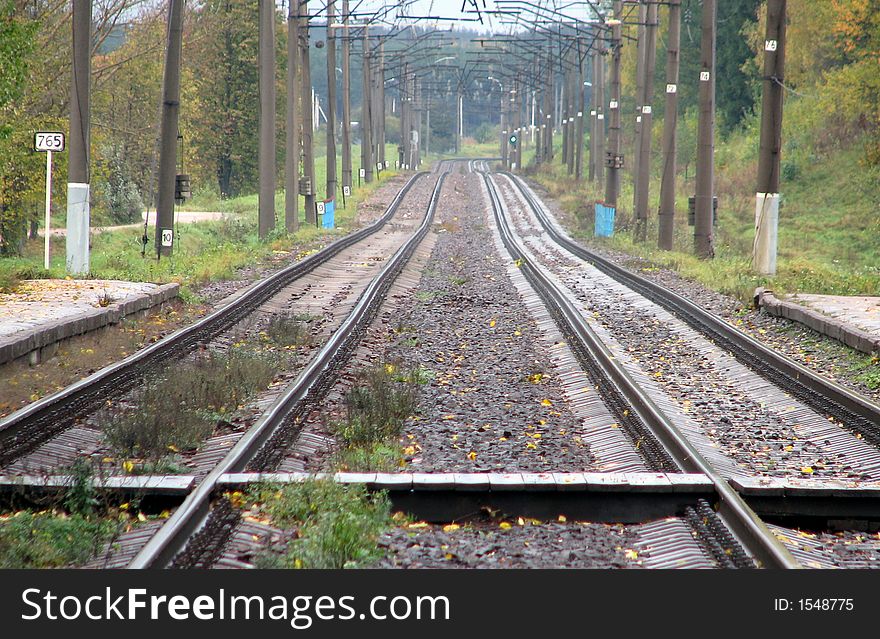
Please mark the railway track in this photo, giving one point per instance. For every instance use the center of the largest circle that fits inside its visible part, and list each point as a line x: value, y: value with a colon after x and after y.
x: 647, y: 480
x: 35, y: 425
x: 853, y: 411
x: 195, y: 533
x: 667, y: 448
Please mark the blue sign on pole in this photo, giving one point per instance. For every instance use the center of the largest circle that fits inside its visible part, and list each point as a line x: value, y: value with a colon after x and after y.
x: 328, y: 221
x: 604, y: 220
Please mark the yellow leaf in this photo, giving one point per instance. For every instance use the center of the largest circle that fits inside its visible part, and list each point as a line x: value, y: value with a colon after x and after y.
x: 472, y: 456
x: 517, y: 333
x: 546, y: 402
x: 124, y: 506
x: 127, y: 466
x: 448, y: 556
x: 807, y: 470
x: 562, y: 519
x: 142, y: 517
x: 173, y: 448
x: 504, y: 525
x: 521, y: 521
x: 631, y: 554
x: 451, y: 527
x: 418, y: 524
x: 492, y: 324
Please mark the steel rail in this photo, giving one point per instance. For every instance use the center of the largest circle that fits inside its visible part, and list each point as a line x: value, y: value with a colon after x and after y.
x: 746, y: 526
x: 848, y: 408
x: 27, y: 428
x: 193, y: 513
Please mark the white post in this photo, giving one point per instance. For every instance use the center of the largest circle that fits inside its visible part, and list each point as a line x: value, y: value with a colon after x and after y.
x: 47, y: 228
x: 766, y: 232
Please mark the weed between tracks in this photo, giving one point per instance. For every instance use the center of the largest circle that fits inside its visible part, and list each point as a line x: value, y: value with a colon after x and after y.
x: 335, y: 525
x: 176, y: 412
x: 376, y: 407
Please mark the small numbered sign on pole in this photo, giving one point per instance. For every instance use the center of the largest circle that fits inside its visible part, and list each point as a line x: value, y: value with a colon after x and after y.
x: 320, y: 207
x: 362, y: 172
x: 51, y: 141
x: 48, y: 142
x: 167, y: 237
x: 346, y: 190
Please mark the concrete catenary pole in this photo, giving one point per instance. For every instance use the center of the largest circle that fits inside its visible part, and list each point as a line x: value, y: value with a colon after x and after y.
x: 331, y: 102
x: 767, y: 195
x: 640, y: 96
x: 612, y: 179
x: 704, y: 235
x: 266, y: 155
x: 78, y: 144
x: 601, y: 113
x: 366, y: 115
x: 670, y: 124
x: 168, y: 131
x: 346, y: 100
x: 311, y: 212
x: 292, y: 136
x: 581, y: 115
x: 644, y: 174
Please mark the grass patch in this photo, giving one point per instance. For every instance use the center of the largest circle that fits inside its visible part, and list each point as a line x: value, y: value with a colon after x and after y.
x: 290, y: 329
x: 51, y: 539
x: 377, y: 405
x: 337, y: 525
x: 177, y: 412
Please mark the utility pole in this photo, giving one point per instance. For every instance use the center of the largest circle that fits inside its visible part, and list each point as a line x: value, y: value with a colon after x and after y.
x: 331, y: 102
x: 346, y: 100
x: 614, y: 160
x: 80, y: 122
x: 644, y: 174
x: 670, y: 123
x: 266, y: 155
x: 767, y: 195
x: 405, y: 109
x: 505, y: 134
x: 366, y: 114
x: 599, y: 89
x: 292, y: 139
x: 704, y: 236
x: 379, y: 107
x: 547, y: 137
x: 308, y: 130
x: 581, y: 108
x: 520, y: 138
x: 169, y: 130
x: 640, y: 96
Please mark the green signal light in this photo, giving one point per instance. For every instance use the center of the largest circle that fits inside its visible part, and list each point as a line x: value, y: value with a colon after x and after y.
x: 513, y: 140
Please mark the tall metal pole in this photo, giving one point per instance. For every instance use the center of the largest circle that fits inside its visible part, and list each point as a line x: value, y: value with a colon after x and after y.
x: 331, y: 102
x: 704, y: 236
x: 308, y: 132
x: 612, y: 182
x: 346, y: 100
x: 266, y: 155
x: 366, y: 114
x: 292, y: 135
x: 644, y: 174
x: 78, y: 149
x: 670, y: 123
x: 767, y: 195
x: 168, y: 132
x: 517, y: 124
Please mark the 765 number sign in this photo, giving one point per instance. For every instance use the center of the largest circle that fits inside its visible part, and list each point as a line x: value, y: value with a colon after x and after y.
x: 49, y: 141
